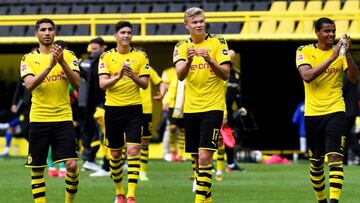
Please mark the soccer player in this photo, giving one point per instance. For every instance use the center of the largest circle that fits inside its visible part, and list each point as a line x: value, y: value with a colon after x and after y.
x: 322, y: 68
x: 146, y: 98
x: 122, y: 72
x: 47, y: 72
x: 204, y: 62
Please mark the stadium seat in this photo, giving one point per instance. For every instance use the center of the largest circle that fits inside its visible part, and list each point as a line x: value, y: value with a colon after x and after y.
x: 127, y: 8
x: 232, y: 28
x: 227, y: 6
x: 30, y: 30
x: 82, y: 30
x: 176, y: 7
x: 111, y: 8
x: 103, y: 30
x: 269, y: 26
x: 136, y: 29
x: 16, y: 10
x: 159, y: 8
x: 95, y: 8
x: 261, y: 6
x: 31, y: 9
x: 47, y: 9
x: 142, y: 8
x: 4, y: 31
x: 343, y: 25
x: 210, y: 6
x: 3, y: 10
x: 354, y: 25
x: 165, y: 29
x: 78, y: 9
x: 191, y: 4
x: 252, y: 27
x: 332, y: 5
x: 65, y: 30
x: 244, y: 6
x: 17, y: 31
x: 62, y: 9
x: 287, y: 26
x: 180, y: 29
x: 215, y: 28
x: 151, y: 29
x: 307, y: 26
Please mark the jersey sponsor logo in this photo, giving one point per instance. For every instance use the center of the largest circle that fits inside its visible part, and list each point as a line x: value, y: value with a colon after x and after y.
x: 52, y: 78
x: 200, y: 66
x: 102, y: 66
x: 332, y: 70
x: 300, y: 57
x: 23, y: 68
x: 225, y: 52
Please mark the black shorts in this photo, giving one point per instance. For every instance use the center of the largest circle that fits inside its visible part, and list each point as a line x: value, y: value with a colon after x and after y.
x: 202, y: 130
x: 146, y: 125
x: 120, y: 121
x: 179, y: 122
x: 325, y: 134
x: 59, y: 135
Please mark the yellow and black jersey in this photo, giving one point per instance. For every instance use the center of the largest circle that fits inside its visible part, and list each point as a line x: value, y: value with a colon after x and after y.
x: 204, y: 89
x: 324, y: 94
x: 168, y: 75
x: 50, y: 100
x: 170, y: 95
x: 125, y: 92
x: 146, y: 95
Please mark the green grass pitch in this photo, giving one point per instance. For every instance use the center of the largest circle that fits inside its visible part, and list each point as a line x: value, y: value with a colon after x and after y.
x: 170, y: 183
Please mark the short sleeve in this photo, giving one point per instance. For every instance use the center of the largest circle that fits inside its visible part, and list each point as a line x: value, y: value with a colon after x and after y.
x: 71, y: 60
x: 144, y: 66
x: 222, y: 55
x: 25, y: 67
x: 179, y: 52
x: 301, y: 57
x: 102, y: 68
x: 154, y: 77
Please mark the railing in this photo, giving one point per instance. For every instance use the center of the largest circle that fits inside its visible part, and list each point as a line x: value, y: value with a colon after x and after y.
x: 143, y: 19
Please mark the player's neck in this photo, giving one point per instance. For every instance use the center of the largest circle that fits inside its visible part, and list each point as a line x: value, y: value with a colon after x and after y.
x: 323, y: 46
x: 123, y: 49
x: 45, y: 49
x: 197, y: 39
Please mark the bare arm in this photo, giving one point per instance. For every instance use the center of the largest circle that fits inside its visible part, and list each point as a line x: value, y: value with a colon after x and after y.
x: 183, y: 67
x: 141, y: 81
x: 72, y: 76
x: 105, y: 81
x: 309, y: 74
x: 223, y: 71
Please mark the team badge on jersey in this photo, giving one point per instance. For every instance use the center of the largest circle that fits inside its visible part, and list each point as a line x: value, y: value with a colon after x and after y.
x: 300, y: 57
x: 225, y: 52
x: 23, y: 68
x: 75, y: 63
x: 147, y: 66
x: 102, y: 66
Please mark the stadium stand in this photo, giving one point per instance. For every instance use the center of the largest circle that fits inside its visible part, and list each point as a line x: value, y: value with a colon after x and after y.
x: 269, y: 26
x: 287, y: 26
x: 352, y: 5
x: 307, y: 26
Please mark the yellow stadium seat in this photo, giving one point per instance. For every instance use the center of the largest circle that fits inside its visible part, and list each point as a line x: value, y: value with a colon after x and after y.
x: 288, y: 26
x: 332, y: 5
x: 354, y: 25
x: 269, y: 26
x: 307, y: 26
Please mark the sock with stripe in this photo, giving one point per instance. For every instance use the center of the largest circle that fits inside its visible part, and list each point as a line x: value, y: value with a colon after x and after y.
x: 220, y: 158
x: 116, y: 169
x: 144, y: 158
x: 203, y: 183
x: 318, y: 179
x: 38, y: 186
x: 72, y: 182
x: 181, y: 142
x: 336, y: 180
x: 133, y: 174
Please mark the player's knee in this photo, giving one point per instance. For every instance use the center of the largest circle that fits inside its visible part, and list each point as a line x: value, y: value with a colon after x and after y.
x: 317, y: 163
x: 116, y: 154
x: 172, y: 129
x: 133, y: 150
x: 334, y: 158
x: 71, y: 166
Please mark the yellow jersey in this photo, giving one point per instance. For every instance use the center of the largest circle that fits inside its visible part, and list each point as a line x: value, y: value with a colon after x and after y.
x: 125, y: 92
x: 204, y: 89
x: 168, y: 75
x: 50, y: 100
x: 170, y: 95
x: 146, y: 95
x: 324, y: 94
